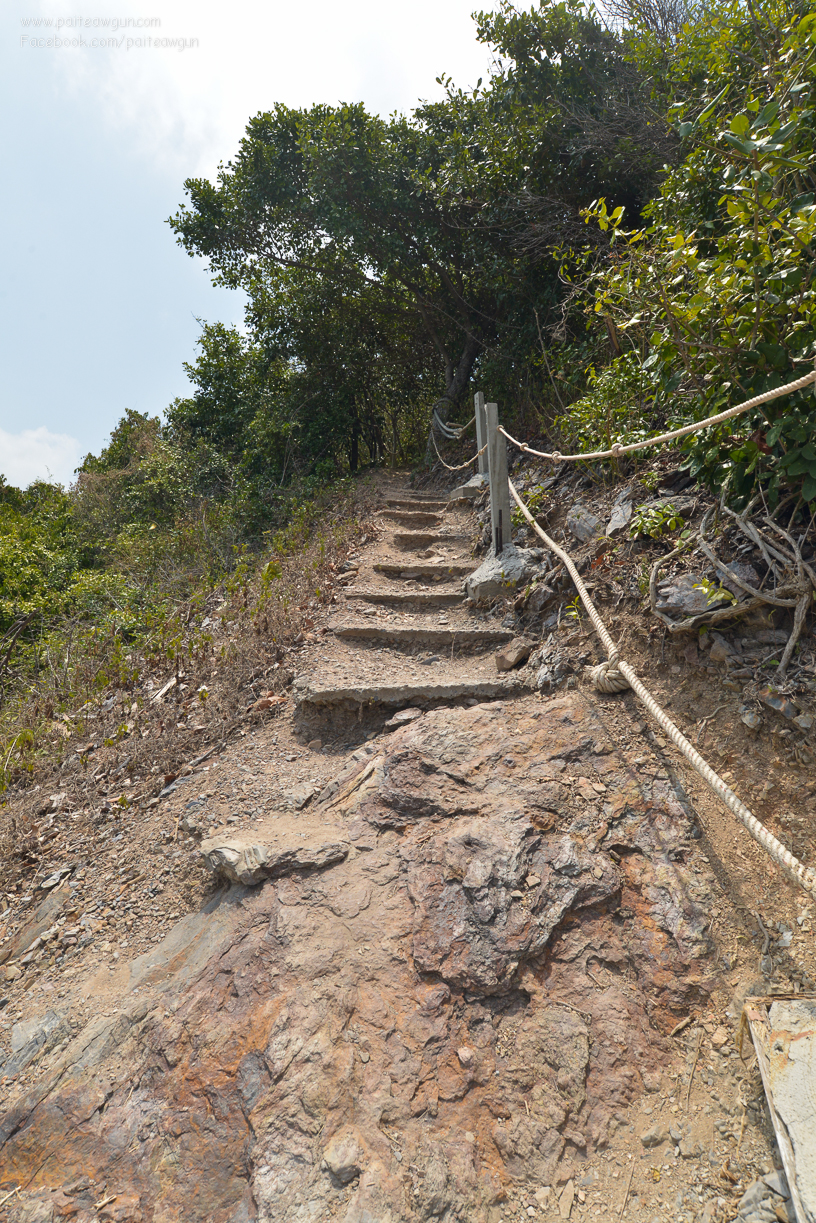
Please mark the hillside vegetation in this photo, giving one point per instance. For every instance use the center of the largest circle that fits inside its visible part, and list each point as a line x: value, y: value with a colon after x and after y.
x: 611, y: 234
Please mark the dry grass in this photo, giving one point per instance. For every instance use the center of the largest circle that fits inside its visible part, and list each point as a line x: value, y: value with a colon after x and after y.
x: 221, y: 653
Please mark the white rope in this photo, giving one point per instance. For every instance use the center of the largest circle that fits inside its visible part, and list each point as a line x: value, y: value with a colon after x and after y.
x: 452, y: 432
x: 614, y: 675
x: 461, y: 466
x: 617, y: 449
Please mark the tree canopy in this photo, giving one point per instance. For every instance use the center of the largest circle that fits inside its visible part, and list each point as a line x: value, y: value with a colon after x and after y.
x: 388, y: 261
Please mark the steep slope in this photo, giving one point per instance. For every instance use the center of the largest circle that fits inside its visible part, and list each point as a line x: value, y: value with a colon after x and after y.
x: 437, y: 979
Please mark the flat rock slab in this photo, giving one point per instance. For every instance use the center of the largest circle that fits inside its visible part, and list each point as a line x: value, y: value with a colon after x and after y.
x: 425, y: 506
x: 411, y: 518
x: 473, y: 992
x: 437, y: 571
x: 408, y: 634
x: 583, y: 524
x: 276, y: 848
x: 407, y: 598
x: 621, y: 516
x: 410, y: 688
x: 415, y: 541
x: 403, y: 718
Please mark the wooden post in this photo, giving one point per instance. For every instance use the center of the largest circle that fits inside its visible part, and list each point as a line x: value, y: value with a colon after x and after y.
x: 499, y: 489
x: 481, y: 430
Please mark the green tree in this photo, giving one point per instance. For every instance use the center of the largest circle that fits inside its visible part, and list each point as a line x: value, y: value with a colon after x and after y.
x: 716, y: 295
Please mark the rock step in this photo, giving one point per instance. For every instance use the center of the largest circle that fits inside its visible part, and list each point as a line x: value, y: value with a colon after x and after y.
x: 411, y: 518
x: 395, y: 504
x: 413, y: 541
x: 409, y: 692
x: 437, y: 571
x: 402, y: 635
x: 405, y: 598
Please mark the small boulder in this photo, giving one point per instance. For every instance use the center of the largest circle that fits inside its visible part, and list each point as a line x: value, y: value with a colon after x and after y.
x: 719, y: 1038
x: 499, y: 575
x: 243, y: 862
x: 566, y: 1200
x: 776, y: 700
x: 621, y: 515
x: 777, y: 1182
x: 756, y: 1193
x: 345, y: 1157
x: 539, y: 598
x: 297, y: 798
x: 654, y: 1137
x: 514, y: 654
x: 738, y: 569
x: 583, y: 524
x: 470, y: 491
x: 682, y: 596
x: 403, y: 718
x: 720, y: 650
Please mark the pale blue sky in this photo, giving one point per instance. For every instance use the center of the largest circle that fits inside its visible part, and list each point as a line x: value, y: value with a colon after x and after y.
x: 98, y: 305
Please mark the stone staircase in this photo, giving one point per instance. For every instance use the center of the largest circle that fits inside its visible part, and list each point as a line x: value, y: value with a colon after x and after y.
x: 405, y: 635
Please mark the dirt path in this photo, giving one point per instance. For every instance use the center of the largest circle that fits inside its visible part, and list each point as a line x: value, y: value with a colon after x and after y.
x: 526, y: 1027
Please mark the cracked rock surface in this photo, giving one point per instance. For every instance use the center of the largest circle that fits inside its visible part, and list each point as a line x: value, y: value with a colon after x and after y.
x: 405, y: 1023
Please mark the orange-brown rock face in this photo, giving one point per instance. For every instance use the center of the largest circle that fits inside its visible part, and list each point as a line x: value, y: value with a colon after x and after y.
x: 466, y: 999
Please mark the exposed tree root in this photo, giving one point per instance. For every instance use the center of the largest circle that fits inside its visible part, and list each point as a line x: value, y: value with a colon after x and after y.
x: 794, y: 579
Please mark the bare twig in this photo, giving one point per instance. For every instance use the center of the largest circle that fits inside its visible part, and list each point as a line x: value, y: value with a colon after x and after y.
x: 703, y: 723
x: 798, y: 622
x: 693, y: 1067
x: 626, y: 1195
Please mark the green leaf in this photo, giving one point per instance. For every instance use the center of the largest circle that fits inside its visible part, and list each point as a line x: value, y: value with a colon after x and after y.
x: 769, y: 112
x: 712, y: 105
x: 774, y: 354
x: 784, y: 133
x: 746, y: 147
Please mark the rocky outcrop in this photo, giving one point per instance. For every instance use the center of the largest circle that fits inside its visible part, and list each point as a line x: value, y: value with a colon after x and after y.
x: 462, y: 997
x: 497, y: 576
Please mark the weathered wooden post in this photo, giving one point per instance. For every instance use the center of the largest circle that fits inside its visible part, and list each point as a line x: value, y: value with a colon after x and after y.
x: 481, y: 430
x: 499, y: 489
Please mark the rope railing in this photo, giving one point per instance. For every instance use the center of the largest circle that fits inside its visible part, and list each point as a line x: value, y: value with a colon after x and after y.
x: 618, y: 449
x: 452, y: 432
x: 461, y: 466
x: 614, y: 675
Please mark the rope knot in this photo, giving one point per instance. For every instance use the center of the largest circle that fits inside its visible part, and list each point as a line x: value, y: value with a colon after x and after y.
x: 617, y: 450
x: 607, y: 678
x: 556, y: 456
